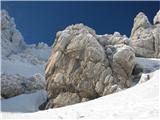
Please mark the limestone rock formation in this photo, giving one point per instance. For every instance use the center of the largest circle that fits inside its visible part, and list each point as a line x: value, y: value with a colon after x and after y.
x: 113, y: 39
x: 66, y: 98
x: 84, y: 66
x: 12, y: 85
x: 145, y: 38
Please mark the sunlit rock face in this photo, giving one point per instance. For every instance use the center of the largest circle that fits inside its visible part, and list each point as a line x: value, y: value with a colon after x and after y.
x: 145, y: 38
x: 11, y: 39
x: 84, y: 66
x: 156, y: 19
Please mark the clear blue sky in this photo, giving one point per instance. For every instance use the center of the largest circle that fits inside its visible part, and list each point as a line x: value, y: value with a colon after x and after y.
x: 39, y: 21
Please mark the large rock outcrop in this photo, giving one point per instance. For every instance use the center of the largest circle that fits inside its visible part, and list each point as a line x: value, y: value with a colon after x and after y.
x: 83, y: 66
x: 145, y: 38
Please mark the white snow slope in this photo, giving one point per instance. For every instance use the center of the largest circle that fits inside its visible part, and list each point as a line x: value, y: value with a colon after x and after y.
x: 138, y: 102
x: 27, y: 62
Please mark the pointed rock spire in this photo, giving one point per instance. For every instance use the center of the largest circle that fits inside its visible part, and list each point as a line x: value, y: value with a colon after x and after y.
x: 156, y: 19
x: 140, y: 20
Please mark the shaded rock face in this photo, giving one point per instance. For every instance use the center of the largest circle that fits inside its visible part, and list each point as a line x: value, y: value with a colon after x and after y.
x: 11, y: 39
x: 66, y: 98
x: 13, y: 85
x: 145, y: 38
x: 84, y: 66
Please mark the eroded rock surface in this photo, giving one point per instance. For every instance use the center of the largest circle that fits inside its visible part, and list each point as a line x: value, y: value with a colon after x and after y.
x: 145, y: 38
x: 84, y: 66
x: 113, y: 39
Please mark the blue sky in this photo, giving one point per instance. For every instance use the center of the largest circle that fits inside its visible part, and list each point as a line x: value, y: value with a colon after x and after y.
x: 39, y: 21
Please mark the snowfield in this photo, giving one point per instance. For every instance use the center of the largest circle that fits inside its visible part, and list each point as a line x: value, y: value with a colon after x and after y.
x: 19, y: 67
x: 27, y: 62
x: 138, y: 102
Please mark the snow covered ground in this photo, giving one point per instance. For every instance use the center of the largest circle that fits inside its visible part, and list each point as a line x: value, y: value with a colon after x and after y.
x: 27, y: 62
x: 19, y: 67
x: 138, y: 102
x: 24, y: 102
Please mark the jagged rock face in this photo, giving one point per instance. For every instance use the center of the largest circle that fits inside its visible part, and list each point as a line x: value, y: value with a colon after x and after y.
x: 145, y: 38
x: 14, y: 47
x: 11, y: 39
x: 13, y: 85
x: 112, y: 39
x: 82, y: 66
x: 140, y: 20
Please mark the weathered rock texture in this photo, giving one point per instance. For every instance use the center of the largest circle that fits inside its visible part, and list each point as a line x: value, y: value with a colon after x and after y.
x: 112, y: 39
x: 12, y: 85
x: 84, y: 66
x: 145, y: 38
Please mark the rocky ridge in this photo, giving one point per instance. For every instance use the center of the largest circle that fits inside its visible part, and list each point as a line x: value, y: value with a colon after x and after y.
x: 145, y: 37
x: 12, y: 40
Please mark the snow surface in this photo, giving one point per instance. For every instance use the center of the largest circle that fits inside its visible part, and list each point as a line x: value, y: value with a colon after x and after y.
x: 149, y: 64
x: 28, y: 62
x: 138, y: 102
x: 24, y: 102
x: 22, y: 68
